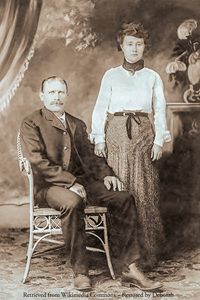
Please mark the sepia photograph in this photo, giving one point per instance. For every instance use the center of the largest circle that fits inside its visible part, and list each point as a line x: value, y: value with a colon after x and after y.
x: 100, y: 149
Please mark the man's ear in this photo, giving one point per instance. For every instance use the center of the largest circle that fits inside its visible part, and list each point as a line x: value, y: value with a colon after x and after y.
x: 41, y: 96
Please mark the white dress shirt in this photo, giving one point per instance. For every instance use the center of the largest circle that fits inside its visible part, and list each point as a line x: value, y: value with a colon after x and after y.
x: 62, y: 119
x: 121, y: 90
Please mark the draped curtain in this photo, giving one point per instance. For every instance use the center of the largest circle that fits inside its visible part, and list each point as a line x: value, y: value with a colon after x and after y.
x: 18, y: 25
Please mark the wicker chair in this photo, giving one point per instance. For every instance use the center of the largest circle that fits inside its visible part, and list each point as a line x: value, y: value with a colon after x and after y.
x: 45, y: 222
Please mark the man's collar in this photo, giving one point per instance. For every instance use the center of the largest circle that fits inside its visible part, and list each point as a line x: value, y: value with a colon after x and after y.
x: 62, y: 117
x: 49, y: 115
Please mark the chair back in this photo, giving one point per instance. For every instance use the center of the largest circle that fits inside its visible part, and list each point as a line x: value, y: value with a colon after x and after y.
x: 25, y: 168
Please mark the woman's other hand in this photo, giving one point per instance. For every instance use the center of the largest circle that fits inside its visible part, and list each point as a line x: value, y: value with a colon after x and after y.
x: 100, y: 150
x: 156, y: 152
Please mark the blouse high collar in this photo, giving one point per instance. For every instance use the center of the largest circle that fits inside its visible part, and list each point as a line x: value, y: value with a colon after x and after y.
x: 133, y: 67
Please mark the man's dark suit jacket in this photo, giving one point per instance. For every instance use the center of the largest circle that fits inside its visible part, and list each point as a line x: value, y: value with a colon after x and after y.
x: 52, y: 150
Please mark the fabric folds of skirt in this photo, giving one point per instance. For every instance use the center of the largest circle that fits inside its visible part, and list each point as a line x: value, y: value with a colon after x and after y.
x: 131, y: 161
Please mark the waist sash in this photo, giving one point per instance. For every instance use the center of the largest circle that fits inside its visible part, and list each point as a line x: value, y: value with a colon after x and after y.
x: 131, y: 115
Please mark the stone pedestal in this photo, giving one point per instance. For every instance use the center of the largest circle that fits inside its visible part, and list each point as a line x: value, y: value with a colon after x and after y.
x: 175, y: 115
x: 180, y: 166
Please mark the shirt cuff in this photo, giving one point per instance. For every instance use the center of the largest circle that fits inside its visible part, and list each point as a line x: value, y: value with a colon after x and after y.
x: 158, y: 142
x: 96, y: 138
x: 166, y: 137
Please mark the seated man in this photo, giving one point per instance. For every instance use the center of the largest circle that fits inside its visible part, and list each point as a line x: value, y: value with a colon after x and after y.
x: 66, y: 173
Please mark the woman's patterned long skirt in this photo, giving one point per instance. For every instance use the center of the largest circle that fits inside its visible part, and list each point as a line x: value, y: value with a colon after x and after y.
x: 131, y: 162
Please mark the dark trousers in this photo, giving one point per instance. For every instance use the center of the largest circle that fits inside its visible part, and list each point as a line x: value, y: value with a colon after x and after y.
x: 122, y: 222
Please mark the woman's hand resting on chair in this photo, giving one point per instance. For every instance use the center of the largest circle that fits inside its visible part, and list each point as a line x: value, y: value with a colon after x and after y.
x: 100, y: 150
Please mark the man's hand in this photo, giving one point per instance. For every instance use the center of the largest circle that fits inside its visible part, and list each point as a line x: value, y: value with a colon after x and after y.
x: 79, y: 190
x: 156, y: 152
x: 100, y: 150
x: 114, y: 183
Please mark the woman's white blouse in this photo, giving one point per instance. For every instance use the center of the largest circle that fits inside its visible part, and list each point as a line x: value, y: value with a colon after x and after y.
x: 121, y: 91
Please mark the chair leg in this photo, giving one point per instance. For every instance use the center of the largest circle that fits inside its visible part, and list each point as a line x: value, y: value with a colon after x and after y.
x: 107, y: 250
x: 28, y: 257
x: 109, y: 262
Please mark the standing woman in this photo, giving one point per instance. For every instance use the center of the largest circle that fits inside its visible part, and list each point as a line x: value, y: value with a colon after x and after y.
x: 123, y: 134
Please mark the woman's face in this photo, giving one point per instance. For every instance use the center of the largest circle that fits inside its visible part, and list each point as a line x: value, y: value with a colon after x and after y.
x: 133, y: 48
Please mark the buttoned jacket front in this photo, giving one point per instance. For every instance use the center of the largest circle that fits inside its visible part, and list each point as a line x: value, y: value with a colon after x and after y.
x: 49, y: 146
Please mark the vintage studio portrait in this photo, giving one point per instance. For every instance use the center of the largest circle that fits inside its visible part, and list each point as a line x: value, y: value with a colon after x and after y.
x: 100, y: 149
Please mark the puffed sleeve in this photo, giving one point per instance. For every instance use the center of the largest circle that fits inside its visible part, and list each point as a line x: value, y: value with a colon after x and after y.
x: 159, y: 106
x: 100, y: 110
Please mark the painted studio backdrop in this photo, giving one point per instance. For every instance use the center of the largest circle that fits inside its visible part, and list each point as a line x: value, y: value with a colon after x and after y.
x: 75, y: 39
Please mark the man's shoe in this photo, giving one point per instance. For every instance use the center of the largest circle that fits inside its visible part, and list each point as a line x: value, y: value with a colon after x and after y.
x: 82, y: 282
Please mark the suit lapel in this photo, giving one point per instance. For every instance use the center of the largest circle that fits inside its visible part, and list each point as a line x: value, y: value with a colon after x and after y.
x: 71, y: 124
x: 55, y: 122
x: 72, y: 127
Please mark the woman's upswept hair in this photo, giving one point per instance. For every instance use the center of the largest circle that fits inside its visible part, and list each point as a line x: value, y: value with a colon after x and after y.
x: 133, y: 29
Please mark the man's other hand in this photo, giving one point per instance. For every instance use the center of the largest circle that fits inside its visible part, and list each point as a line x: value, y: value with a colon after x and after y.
x: 112, y: 182
x: 79, y: 190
